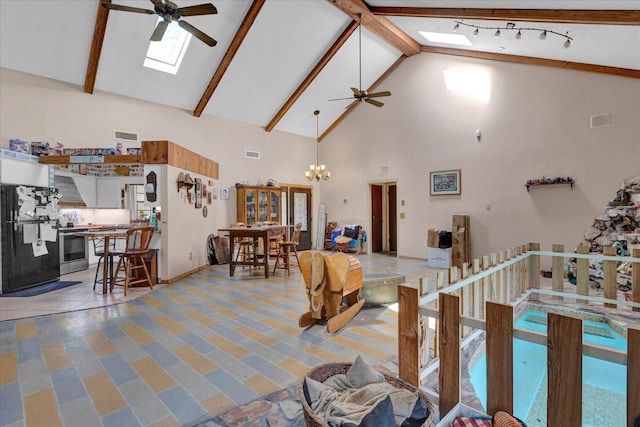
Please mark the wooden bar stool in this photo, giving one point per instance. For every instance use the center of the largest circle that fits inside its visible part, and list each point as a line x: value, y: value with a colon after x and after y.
x: 246, y: 248
x: 131, y: 261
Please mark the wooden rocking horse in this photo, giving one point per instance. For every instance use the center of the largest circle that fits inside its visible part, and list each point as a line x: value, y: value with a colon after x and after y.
x: 329, y: 279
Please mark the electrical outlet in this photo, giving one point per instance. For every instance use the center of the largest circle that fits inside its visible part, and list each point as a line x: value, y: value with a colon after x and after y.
x: 190, y: 255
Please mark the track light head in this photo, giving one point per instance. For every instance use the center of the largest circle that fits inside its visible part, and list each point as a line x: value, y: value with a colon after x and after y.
x: 497, y: 33
x: 455, y: 27
x: 518, y: 35
x: 475, y: 32
x: 543, y: 35
x: 567, y: 43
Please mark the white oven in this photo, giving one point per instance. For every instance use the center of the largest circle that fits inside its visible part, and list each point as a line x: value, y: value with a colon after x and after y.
x: 74, y: 250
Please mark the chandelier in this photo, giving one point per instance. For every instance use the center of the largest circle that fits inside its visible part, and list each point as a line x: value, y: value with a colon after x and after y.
x: 318, y: 170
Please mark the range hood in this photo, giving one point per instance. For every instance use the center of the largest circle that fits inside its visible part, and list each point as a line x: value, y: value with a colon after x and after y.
x: 70, y: 196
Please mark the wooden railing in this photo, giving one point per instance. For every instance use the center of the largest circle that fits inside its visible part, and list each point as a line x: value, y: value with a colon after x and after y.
x: 483, y: 301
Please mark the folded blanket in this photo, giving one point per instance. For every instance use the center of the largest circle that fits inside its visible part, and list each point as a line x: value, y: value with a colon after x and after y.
x: 362, y: 397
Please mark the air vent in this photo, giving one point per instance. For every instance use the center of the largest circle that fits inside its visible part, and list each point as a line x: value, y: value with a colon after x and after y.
x: 120, y: 135
x: 251, y: 154
x: 601, y: 121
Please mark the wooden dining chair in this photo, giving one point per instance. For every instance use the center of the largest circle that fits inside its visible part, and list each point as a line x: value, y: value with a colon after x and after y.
x: 132, y: 260
x: 286, y: 249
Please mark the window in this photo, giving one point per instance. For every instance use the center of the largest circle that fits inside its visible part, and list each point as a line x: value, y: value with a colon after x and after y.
x: 166, y: 55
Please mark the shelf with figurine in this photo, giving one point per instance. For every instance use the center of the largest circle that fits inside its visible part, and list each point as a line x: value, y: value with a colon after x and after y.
x: 550, y: 181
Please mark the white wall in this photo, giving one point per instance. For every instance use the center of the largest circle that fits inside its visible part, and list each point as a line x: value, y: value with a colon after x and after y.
x: 536, y: 123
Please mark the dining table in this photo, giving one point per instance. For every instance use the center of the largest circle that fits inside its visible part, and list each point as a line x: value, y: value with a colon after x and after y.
x: 257, y: 233
x: 107, y: 236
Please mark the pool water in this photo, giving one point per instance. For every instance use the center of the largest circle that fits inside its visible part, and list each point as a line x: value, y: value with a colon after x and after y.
x: 604, y: 383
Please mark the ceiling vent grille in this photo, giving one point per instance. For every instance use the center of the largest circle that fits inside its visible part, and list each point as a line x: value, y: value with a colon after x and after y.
x: 601, y: 121
x: 249, y: 154
x: 120, y: 135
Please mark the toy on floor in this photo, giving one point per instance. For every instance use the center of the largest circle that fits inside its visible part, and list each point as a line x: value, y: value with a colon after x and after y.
x: 329, y: 279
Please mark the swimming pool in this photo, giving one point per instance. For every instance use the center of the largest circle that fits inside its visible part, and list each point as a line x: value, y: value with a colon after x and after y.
x: 604, y: 383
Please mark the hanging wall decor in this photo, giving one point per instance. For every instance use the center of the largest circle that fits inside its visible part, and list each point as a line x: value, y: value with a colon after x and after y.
x: 445, y: 182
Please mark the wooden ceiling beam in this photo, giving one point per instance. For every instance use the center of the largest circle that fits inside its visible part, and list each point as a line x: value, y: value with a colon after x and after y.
x: 379, y: 25
x: 335, y: 47
x: 242, y: 32
x: 99, y: 30
x: 568, y: 16
x: 354, y: 104
x: 578, y: 66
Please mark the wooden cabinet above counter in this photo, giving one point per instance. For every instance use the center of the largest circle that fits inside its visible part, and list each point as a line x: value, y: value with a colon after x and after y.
x: 153, y: 153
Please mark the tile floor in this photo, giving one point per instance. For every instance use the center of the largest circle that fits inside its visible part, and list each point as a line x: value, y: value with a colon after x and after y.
x: 174, y: 355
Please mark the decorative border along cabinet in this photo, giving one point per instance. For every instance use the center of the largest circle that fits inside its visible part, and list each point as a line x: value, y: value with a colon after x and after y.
x: 258, y: 204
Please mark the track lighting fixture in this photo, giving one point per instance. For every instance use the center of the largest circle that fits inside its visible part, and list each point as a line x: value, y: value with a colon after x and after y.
x: 511, y: 26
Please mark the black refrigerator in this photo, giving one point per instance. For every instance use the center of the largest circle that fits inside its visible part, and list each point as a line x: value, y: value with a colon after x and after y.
x: 29, y: 236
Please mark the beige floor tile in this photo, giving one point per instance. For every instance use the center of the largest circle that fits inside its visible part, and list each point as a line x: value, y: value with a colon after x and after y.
x: 41, y: 409
x: 136, y: 333
x: 25, y: 330
x: 8, y: 368
x: 55, y: 356
x: 194, y: 359
x: 228, y: 346
x: 104, y: 394
x: 170, y: 325
x: 257, y: 336
x: 261, y: 384
x: 199, y: 317
x: 153, y: 374
x: 217, y: 404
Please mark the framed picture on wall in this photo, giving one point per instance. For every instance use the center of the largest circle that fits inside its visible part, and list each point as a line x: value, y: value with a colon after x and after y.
x: 198, y: 193
x: 445, y: 182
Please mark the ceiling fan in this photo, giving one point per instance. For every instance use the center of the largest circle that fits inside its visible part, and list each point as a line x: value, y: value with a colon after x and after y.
x: 170, y: 12
x: 359, y: 94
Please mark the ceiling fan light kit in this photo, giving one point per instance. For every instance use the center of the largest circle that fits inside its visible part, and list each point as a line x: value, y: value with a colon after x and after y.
x: 511, y: 26
x: 170, y: 12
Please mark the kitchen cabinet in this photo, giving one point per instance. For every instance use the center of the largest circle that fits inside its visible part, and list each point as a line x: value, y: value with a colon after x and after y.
x: 258, y: 204
x: 109, y: 193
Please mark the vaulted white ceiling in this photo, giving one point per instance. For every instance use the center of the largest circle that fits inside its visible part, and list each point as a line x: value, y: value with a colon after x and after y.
x: 277, y: 78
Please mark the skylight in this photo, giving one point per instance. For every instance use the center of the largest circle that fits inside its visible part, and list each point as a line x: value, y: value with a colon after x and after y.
x: 166, y: 55
x: 446, y: 38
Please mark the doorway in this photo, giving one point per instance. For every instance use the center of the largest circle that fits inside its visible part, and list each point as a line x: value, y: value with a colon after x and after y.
x: 384, y: 222
x: 298, y: 210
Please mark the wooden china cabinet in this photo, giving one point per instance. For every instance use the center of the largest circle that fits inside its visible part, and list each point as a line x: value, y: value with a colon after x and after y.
x: 258, y: 204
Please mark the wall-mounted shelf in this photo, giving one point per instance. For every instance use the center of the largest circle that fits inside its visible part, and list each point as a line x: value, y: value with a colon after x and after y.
x: 153, y: 153
x: 540, y: 183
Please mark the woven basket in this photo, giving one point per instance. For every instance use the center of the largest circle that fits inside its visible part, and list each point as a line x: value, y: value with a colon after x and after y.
x: 322, y: 372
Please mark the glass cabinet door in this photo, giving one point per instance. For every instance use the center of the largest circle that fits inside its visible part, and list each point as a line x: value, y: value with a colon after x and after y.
x: 274, y: 207
x: 250, y: 197
x: 262, y: 205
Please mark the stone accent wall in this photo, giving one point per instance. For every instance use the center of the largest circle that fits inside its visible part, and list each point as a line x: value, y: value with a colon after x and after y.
x: 618, y: 225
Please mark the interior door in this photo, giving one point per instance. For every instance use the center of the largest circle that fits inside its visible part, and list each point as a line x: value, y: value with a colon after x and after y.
x: 376, y: 218
x: 393, y: 220
x: 300, y: 211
